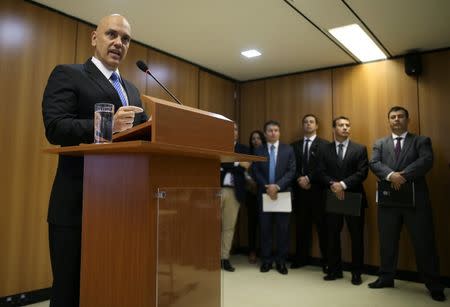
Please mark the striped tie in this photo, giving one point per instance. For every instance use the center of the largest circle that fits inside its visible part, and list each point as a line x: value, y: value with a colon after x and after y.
x: 116, y: 83
x: 272, y: 164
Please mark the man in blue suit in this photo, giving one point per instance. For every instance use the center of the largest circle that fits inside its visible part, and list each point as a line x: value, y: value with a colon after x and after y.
x: 400, y: 158
x: 273, y: 176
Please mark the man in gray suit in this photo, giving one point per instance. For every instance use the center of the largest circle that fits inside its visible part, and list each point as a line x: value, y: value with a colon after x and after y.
x: 400, y: 158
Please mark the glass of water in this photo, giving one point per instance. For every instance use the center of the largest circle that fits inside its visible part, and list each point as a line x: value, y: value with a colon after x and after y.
x: 103, y: 123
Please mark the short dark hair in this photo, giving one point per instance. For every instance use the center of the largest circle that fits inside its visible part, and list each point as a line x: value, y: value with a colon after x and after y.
x: 311, y: 115
x: 398, y: 108
x: 261, y: 136
x: 271, y: 123
x: 338, y: 118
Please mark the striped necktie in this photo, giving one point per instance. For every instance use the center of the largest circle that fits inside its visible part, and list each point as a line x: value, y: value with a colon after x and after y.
x: 116, y: 83
x: 272, y: 164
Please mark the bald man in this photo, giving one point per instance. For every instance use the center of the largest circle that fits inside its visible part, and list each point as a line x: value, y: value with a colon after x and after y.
x: 68, y: 113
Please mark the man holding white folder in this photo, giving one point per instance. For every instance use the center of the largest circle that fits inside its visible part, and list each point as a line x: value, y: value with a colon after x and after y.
x: 273, y: 177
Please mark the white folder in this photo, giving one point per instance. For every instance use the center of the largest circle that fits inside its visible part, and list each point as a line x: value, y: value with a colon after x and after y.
x: 281, y: 204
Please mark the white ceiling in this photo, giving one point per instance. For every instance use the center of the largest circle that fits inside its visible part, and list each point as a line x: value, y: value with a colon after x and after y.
x: 292, y: 34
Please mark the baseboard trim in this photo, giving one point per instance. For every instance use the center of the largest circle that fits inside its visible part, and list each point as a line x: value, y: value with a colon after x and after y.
x: 25, y: 298
x: 368, y: 269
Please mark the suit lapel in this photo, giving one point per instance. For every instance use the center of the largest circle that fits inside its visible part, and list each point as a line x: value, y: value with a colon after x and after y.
x: 96, y: 75
x: 390, y: 148
x: 406, y: 145
x: 277, y: 168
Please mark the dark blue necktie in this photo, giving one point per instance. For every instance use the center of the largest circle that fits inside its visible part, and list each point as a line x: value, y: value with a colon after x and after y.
x: 305, y: 155
x: 272, y: 164
x: 341, y: 152
x: 398, y: 147
x: 116, y: 83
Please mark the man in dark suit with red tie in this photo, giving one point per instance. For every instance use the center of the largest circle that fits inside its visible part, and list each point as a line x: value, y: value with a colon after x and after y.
x: 343, y: 167
x: 68, y: 113
x: 272, y: 177
x: 406, y: 158
x: 308, y: 194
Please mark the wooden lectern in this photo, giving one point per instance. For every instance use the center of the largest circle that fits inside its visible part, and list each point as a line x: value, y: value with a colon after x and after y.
x: 151, y: 210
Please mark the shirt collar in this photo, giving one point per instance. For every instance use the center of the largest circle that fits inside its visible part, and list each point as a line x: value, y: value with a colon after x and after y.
x: 344, y: 142
x: 311, y: 138
x: 105, y: 71
x: 275, y: 144
x: 403, y: 135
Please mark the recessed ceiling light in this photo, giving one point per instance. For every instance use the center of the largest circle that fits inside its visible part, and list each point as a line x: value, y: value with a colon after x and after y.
x: 358, y: 42
x: 251, y: 53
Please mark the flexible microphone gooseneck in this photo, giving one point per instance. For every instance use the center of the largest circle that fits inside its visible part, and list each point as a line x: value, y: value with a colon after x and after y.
x: 142, y: 66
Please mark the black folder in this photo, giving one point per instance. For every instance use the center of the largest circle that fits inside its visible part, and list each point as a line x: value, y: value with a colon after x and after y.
x: 351, y: 205
x: 390, y: 198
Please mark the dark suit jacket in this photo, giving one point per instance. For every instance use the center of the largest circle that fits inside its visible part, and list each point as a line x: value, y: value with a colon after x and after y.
x: 238, y: 173
x: 311, y: 167
x: 415, y: 160
x: 68, y: 112
x: 284, y: 171
x: 353, y: 170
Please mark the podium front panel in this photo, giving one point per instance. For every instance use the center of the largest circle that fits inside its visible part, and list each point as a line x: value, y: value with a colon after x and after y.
x: 188, y: 250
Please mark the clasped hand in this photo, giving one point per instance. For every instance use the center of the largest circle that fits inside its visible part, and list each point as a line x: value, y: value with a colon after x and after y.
x: 272, y: 191
x: 338, y: 190
x: 397, y: 180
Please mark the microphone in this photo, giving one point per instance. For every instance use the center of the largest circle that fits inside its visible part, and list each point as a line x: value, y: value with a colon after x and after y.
x: 142, y: 66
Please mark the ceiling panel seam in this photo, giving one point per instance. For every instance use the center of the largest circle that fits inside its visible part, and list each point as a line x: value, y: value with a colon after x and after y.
x: 367, y: 28
x: 321, y: 31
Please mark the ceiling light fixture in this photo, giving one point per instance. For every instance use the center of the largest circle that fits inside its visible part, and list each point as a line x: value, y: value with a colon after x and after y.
x: 358, y: 42
x: 251, y: 53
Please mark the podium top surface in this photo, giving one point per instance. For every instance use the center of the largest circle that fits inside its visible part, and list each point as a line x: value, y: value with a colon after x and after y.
x: 146, y: 147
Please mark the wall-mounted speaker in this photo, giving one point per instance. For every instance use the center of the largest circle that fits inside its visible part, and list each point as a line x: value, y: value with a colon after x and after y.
x: 413, y: 64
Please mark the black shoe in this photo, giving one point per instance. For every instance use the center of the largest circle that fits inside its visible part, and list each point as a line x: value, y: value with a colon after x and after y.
x: 297, y: 264
x: 226, y: 265
x: 265, y: 267
x: 281, y: 268
x: 333, y: 276
x: 356, y: 279
x: 380, y: 283
x: 438, y: 295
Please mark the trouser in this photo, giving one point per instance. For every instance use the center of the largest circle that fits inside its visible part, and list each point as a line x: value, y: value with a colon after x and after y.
x: 309, y: 210
x: 65, y: 257
x: 230, y: 210
x: 355, y: 225
x: 419, y: 222
x: 281, y: 220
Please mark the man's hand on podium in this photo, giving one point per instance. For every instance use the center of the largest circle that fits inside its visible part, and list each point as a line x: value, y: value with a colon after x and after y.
x: 124, y: 118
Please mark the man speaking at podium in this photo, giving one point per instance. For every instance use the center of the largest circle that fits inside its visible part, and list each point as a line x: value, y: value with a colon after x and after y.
x: 68, y: 112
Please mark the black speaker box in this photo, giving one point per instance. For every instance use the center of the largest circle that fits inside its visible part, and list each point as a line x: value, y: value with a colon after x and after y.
x: 413, y: 64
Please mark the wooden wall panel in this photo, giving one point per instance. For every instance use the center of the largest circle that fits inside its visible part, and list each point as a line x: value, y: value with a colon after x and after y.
x: 289, y: 98
x: 180, y: 78
x: 252, y: 107
x: 36, y: 41
x: 364, y: 93
x: 434, y: 110
x: 216, y: 95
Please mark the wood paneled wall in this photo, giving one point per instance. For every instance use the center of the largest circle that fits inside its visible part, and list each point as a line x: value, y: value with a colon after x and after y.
x: 217, y: 95
x: 33, y: 40
x: 434, y: 110
x: 364, y: 93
